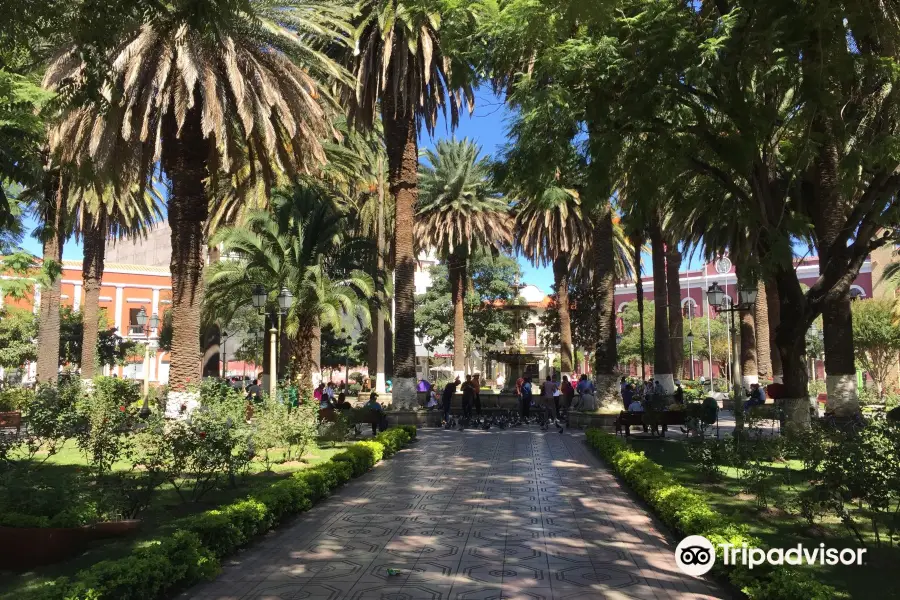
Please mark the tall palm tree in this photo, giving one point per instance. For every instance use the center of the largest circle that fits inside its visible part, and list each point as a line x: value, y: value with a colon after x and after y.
x: 458, y: 212
x: 552, y: 228
x: 402, y: 71
x: 102, y: 215
x: 301, y: 245
x: 209, y: 90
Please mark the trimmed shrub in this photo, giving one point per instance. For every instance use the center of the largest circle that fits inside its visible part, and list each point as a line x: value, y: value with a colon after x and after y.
x: 190, y: 551
x: 410, y: 431
x: 687, y: 512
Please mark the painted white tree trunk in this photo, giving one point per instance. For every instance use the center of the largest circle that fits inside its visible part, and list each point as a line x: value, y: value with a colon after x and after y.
x: 403, y: 393
x: 843, y: 399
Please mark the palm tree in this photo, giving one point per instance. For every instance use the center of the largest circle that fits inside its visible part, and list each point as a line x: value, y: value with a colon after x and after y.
x: 210, y: 91
x: 459, y: 211
x: 299, y: 244
x: 102, y: 215
x: 552, y: 228
x: 401, y: 69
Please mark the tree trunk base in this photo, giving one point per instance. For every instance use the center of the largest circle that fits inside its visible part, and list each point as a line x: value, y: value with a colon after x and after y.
x: 667, y: 380
x: 843, y: 400
x: 180, y: 405
x: 749, y: 380
x: 607, y: 386
x: 797, y: 411
x: 403, y: 393
x: 380, y: 383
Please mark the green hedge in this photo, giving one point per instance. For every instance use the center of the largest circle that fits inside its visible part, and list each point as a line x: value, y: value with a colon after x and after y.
x: 687, y: 513
x: 191, y: 549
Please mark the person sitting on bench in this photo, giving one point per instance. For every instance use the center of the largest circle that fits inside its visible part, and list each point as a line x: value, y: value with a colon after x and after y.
x: 377, y: 411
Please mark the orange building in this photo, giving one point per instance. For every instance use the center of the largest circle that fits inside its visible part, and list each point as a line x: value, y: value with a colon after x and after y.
x: 125, y: 290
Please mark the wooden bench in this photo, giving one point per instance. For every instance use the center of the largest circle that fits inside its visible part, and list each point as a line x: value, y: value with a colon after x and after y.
x: 11, y: 420
x: 649, y: 419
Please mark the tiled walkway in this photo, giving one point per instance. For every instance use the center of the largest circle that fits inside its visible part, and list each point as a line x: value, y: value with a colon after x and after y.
x: 468, y: 516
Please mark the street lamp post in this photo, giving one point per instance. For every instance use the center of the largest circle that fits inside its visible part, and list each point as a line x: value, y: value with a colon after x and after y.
x: 150, y: 327
x: 285, y: 301
x: 746, y: 300
x: 690, y: 339
x: 224, y: 354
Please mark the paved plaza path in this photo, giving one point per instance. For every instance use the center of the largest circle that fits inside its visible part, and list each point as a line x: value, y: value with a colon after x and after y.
x: 468, y: 516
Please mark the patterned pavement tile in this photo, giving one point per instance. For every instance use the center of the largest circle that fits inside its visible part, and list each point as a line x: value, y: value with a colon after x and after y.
x: 473, y: 515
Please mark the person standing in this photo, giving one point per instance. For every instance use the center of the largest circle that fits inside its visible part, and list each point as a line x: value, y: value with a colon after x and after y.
x: 679, y: 393
x: 627, y: 396
x: 525, y: 396
x: 501, y: 381
x: 548, y: 393
x: 568, y: 392
x: 468, y: 397
x: 447, y: 397
x: 476, y: 384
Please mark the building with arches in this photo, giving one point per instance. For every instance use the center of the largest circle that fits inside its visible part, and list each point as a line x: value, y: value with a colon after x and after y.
x: 695, y: 282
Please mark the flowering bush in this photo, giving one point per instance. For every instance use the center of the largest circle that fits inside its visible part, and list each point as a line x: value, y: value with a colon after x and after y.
x: 105, y: 416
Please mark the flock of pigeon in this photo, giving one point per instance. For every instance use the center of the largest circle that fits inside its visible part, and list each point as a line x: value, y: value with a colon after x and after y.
x: 503, y: 420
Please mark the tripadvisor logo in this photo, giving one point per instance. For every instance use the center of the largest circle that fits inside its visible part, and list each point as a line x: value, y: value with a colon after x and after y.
x: 695, y: 555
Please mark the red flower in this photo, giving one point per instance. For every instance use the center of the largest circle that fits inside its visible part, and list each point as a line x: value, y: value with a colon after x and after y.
x: 202, y: 435
x: 121, y: 409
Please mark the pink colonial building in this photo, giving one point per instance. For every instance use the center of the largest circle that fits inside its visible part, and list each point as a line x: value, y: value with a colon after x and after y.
x: 694, y: 284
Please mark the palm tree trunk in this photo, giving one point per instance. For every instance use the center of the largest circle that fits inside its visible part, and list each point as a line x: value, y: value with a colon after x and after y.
x: 377, y: 338
x: 456, y: 265
x: 403, y: 162
x: 306, y: 356
x: 773, y: 312
x: 828, y: 212
x: 676, y: 319
x: 561, y: 281
x: 790, y: 340
x: 604, y: 286
x: 749, y: 369
x: 184, y: 160
x: 662, y: 356
x: 55, y: 196
x: 763, y: 350
x: 92, y: 275
x: 637, y: 242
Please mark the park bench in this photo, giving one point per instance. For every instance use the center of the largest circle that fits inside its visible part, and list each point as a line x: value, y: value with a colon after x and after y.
x: 11, y: 420
x: 649, y: 419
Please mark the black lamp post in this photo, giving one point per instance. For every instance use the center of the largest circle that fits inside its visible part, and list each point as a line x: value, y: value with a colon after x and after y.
x: 690, y: 339
x: 746, y: 300
x: 148, y: 326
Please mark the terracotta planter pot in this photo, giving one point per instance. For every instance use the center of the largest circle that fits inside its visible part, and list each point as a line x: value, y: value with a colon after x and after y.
x: 22, y: 548
x: 112, y: 529
x: 25, y: 547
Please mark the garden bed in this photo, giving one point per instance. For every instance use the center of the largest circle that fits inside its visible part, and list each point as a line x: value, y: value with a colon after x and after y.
x: 189, y: 549
x: 773, y: 521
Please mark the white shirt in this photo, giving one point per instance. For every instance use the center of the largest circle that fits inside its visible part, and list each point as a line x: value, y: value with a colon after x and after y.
x: 635, y: 406
x: 330, y: 391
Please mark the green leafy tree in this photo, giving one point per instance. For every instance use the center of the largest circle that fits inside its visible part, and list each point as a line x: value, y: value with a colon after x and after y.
x: 18, y: 330
x: 111, y: 349
x: 876, y: 339
x: 493, y: 280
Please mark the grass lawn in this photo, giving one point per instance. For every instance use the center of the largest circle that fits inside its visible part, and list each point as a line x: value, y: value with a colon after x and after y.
x: 779, y: 525
x: 166, y: 506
